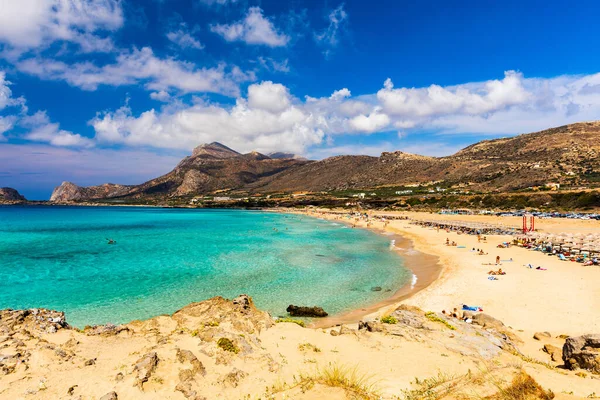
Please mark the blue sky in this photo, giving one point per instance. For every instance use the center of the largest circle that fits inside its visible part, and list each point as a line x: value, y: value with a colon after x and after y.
x: 95, y: 91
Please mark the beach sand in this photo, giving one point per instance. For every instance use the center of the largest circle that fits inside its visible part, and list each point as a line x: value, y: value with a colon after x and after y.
x: 564, y: 299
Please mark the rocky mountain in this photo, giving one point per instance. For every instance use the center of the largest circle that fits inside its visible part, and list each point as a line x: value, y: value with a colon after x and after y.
x: 566, y: 155
x: 10, y: 195
x: 68, y: 191
x: 211, y: 167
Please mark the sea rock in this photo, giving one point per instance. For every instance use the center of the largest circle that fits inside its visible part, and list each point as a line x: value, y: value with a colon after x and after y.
x: 376, y: 289
x: 144, y: 368
x: 554, y: 352
x: 110, y: 396
x: 582, y: 352
x: 34, y: 320
x: 371, y: 326
x: 301, y: 311
x: 541, y: 335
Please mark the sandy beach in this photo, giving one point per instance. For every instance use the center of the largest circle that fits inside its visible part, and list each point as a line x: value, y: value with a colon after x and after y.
x: 562, y: 299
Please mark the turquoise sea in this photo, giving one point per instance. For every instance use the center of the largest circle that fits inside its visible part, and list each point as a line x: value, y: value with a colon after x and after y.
x: 58, y: 258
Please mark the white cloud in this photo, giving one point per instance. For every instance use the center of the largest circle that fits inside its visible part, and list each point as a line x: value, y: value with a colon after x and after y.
x: 375, y: 121
x: 140, y: 66
x: 330, y: 36
x: 6, y: 97
x: 340, y: 94
x: 269, y: 96
x: 267, y: 121
x: 43, y: 130
x: 255, y: 28
x: 273, y: 65
x: 184, y: 39
x: 469, y: 99
x: 160, y: 96
x: 6, y: 124
x: 29, y: 24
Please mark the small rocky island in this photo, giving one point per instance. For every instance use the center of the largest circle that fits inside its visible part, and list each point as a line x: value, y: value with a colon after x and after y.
x: 11, y: 196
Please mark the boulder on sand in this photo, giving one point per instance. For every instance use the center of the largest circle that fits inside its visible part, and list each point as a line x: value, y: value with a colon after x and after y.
x: 299, y: 311
x: 582, y: 352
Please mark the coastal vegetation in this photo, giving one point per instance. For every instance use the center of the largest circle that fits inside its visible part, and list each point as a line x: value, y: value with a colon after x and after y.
x: 227, y: 345
x: 388, y: 319
x: 291, y: 320
x: 436, y: 318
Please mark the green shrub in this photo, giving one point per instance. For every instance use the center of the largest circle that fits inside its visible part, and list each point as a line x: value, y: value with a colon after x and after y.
x: 388, y: 319
x: 435, y: 318
x: 228, y: 345
x: 293, y: 321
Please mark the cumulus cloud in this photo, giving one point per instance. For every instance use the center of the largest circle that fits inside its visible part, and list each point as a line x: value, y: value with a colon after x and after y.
x: 160, y: 96
x: 467, y: 99
x: 329, y: 37
x: 140, y: 66
x: 375, y: 121
x: 41, y: 129
x: 267, y: 121
x: 38, y: 126
x: 255, y: 28
x: 6, y: 96
x: 183, y: 38
x: 269, y: 96
x: 28, y: 24
x: 270, y: 118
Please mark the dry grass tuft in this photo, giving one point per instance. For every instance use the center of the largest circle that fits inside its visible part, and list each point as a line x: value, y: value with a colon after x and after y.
x: 522, y: 387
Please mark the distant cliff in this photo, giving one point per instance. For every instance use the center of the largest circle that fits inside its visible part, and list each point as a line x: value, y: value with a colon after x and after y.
x: 68, y: 191
x: 10, y: 196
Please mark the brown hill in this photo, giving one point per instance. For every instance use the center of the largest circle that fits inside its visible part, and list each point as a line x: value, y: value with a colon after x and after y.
x: 565, y: 155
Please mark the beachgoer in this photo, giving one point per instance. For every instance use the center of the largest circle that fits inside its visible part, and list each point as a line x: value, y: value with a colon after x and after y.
x: 497, y: 260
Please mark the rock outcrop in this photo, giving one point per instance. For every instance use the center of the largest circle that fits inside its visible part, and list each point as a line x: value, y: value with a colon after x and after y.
x: 183, y: 355
x: 582, y: 352
x: 301, y: 311
x: 10, y: 196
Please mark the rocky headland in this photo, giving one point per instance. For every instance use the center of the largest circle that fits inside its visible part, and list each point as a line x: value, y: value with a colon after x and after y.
x: 229, y: 349
x: 11, y: 196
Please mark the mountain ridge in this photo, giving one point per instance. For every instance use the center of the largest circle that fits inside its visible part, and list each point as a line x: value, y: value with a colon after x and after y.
x: 567, y: 154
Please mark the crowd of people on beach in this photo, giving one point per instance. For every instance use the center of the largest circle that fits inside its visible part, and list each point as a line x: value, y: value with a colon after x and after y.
x: 556, y: 246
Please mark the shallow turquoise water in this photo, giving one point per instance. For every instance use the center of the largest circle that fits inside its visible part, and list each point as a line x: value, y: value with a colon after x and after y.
x: 58, y: 258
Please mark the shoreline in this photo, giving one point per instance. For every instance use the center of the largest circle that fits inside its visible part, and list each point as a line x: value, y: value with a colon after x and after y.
x: 424, y: 267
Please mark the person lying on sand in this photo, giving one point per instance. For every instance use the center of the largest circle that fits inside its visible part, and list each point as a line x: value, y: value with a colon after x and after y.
x: 482, y: 253
x: 499, y: 272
